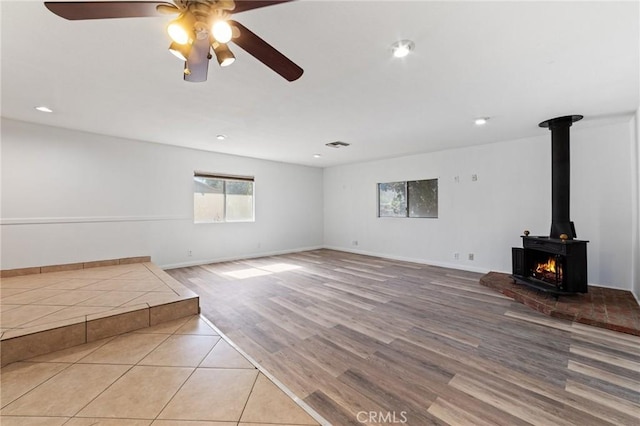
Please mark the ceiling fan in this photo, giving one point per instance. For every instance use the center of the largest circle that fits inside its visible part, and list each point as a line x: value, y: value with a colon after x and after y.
x: 201, y: 26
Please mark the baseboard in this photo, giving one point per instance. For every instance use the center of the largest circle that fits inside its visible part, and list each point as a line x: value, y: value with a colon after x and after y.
x: 413, y: 260
x: 235, y: 258
x: 615, y: 288
x: 301, y: 249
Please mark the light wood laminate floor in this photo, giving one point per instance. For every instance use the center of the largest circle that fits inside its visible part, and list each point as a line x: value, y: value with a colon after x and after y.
x: 365, y: 340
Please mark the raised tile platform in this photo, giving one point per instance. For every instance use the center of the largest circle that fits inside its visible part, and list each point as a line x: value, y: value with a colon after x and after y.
x: 8, y: 273
x: 601, y: 307
x: 47, y: 309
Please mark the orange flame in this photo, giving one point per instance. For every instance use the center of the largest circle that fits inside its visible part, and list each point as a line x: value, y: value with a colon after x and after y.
x: 549, y: 266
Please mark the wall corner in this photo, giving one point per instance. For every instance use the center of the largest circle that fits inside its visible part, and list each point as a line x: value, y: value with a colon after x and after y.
x: 635, y: 226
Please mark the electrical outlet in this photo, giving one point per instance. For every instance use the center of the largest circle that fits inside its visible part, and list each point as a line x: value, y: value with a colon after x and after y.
x: 189, y: 253
x: 456, y: 179
x: 354, y: 242
x: 474, y: 178
x: 456, y: 256
x: 471, y: 256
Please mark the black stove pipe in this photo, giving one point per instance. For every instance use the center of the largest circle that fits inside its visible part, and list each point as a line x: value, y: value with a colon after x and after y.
x: 560, y: 175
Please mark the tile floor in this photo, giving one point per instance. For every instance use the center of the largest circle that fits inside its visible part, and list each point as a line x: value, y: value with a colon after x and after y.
x: 178, y: 373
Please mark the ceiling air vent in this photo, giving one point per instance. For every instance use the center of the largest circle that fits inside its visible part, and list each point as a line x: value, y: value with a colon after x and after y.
x: 337, y: 144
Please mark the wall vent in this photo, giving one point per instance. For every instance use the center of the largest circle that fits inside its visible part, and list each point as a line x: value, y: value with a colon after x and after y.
x: 337, y: 144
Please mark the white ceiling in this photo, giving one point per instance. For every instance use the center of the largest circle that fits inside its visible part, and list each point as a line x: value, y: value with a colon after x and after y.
x: 516, y: 62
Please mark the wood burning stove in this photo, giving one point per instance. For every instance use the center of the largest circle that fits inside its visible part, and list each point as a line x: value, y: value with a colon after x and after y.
x: 558, y: 263
x: 557, y: 266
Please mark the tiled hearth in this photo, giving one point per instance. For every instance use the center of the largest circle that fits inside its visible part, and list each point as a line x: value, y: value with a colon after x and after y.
x: 600, y: 307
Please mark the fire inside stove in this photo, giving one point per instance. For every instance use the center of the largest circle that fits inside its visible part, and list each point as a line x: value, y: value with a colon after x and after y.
x: 549, y: 271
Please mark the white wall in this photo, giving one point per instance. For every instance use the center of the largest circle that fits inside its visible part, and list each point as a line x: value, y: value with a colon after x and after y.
x: 69, y: 197
x: 487, y: 217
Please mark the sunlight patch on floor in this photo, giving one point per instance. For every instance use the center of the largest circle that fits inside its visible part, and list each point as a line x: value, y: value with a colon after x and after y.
x: 263, y: 270
x: 281, y: 267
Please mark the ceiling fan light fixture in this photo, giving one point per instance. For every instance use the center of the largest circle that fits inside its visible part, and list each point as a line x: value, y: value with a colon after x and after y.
x: 181, y: 29
x: 180, y: 51
x: 177, y: 33
x: 192, y: 25
x: 402, y: 48
x: 228, y: 61
x: 224, y: 56
x: 221, y: 31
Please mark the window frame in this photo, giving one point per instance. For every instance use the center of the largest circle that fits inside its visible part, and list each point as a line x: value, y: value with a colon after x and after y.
x: 226, y: 178
x: 407, y: 195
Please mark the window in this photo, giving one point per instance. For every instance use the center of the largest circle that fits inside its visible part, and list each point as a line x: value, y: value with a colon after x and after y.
x: 417, y: 198
x: 222, y: 198
x: 392, y: 199
x: 423, y: 198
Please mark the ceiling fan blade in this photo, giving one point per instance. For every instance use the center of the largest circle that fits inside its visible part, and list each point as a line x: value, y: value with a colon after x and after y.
x: 104, y: 10
x: 198, y: 61
x: 244, y: 5
x: 266, y: 53
x: 168, y: 9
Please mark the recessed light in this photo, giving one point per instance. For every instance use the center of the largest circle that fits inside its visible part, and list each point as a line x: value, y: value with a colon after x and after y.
x: 317, y: 155
x: 481, y: 121
x: 221, y: 137
x: 402, y: 48
x: 43, y: 108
